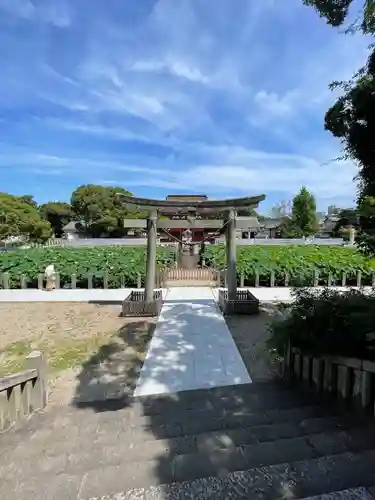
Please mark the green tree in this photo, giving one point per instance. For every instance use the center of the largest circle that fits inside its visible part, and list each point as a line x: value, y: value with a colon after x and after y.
x: 100, y: 211
x: 20, y: 218
x: 287, y: 228
x: 304, y: 218
x: 28, y: 198
x: 58, y: 215
x: 337, y: 11
x: 352, y: 117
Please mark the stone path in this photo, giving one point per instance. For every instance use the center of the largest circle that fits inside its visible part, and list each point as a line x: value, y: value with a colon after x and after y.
x: 62, y: 295
x: 191, y: 348
x: 117, y: 295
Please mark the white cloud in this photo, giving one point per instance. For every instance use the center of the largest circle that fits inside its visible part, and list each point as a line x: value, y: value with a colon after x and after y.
x: 191, y: 73
x: 178, y: 68
x: 257, y: 172
x: 239, y: 93
x: 118, y: 133
x: 273, y: 104
x: 56, y: 13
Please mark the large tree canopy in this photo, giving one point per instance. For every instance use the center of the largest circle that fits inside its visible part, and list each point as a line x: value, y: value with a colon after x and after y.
x: 20, y: 218
x: 58, y: 215
x: 99, y: 210
x: 337, y: 11
x: 352, y: 117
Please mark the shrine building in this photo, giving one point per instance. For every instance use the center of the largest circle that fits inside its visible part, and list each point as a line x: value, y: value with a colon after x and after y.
x: 207, y: 228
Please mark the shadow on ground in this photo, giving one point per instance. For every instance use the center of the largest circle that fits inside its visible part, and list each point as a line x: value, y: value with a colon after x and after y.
x: 108, y: 442
x: 250, y: 334
x: 167, y: 427
x: 112, y: 372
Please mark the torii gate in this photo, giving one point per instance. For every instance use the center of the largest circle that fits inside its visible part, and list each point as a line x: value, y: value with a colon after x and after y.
x: 192, y: 208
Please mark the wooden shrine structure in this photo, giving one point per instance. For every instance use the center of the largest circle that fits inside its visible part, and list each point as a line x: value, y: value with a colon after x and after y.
x: 208, y: 210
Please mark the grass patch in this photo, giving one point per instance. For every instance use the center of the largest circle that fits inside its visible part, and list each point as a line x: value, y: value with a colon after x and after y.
x: 61, y: 354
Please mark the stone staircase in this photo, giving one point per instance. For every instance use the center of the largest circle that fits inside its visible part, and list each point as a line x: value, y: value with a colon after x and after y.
x: 256, y: 441
x: 198, y: 277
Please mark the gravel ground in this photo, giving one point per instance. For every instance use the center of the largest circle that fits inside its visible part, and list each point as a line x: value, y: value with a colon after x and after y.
x: 250, y: 334
x: 32, y: 321
x: 92, y: 352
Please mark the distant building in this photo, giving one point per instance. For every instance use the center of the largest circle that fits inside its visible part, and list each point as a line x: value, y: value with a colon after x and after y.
x: 205, y: 231
x: 328, y: 223
x: 70, y: 231
x: 269, y: 227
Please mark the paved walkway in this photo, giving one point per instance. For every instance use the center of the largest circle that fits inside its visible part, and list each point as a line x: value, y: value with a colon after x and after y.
x: 66, y: 295
x: 118, y: 295
x: 191, y: 348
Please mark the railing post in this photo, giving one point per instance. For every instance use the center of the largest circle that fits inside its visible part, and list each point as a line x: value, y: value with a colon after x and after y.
x: 12, y: 404
x: 318, y: 373
x: 343, y: 382
x: 330, y: 279
x: 316, y: 277
x: 23, y: 281
x: 25, y: 398
x: 39, y: 390
x: 272, y: 279
x: 287, y: 360
x: 242, y: 280
x: 297, y: 365
x: 105, y: 279
x: 373, y: 279
x: 74, y: 281
x: 366, y: 389
x: 6, y: 280
x: 139, y: 280
x: 329, y: 377
x: 306, y: 370
x: 359, y: 278
x: 256, y: 277
x: 343, y: 281
x: 40, y: 281
x: 89, y: 280
x: 57, y: 280
x: 286, y: 278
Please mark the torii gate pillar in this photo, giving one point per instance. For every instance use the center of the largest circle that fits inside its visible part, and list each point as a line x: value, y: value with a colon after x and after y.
x: 151, y: 256
x: 231, y: 255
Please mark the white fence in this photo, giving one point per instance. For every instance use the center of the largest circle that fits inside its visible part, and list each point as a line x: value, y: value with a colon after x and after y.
x: 84, y: 242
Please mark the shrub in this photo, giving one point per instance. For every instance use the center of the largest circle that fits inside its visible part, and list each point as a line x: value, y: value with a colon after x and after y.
x: 327, y: 322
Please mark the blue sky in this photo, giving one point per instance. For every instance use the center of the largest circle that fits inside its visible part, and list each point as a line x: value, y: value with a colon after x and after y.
x: 220, y: 97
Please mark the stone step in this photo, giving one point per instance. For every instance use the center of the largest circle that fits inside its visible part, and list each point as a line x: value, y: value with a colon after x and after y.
x: 133, y: 446
x: 299, y: 479
x: 350, y: 494
x: 175, y: 283
x: 66, y: 435
x: 188, y: 407
x: 190, y: 460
